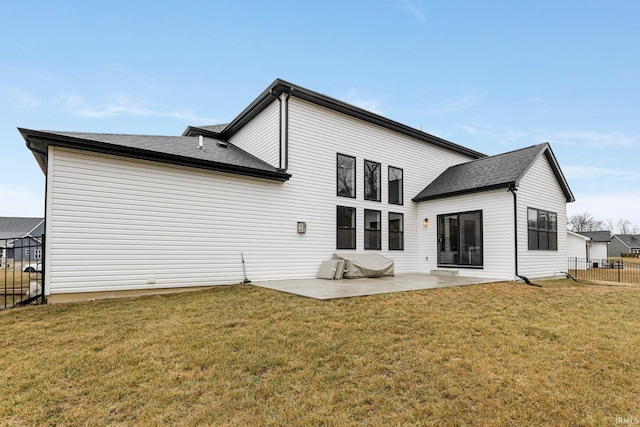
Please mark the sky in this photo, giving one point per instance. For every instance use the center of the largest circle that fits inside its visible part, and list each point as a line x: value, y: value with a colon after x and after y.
x: 493, y: 76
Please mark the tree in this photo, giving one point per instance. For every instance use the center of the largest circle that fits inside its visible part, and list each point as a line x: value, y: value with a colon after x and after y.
x: 626, y: 227
x: 584, y: 222
x: 611, y: 225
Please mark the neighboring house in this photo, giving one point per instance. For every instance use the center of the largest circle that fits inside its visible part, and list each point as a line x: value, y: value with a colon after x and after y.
x: 292, y: 179
x: 20, y: 239
x: 599, y: 244
x: 624, y: 244
x: 578, y: 246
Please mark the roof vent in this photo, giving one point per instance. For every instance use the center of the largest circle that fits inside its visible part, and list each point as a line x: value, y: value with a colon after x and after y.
x: 222, y: 144
x: 201, y: 142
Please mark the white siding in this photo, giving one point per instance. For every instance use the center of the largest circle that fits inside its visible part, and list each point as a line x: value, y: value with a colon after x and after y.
x: 598, y: 250
x: 539, y: 189
x: 317, y: 135
x: 261, y: 136
x: 118, y: 224
x: 497, y: 230
x: 576, y: 245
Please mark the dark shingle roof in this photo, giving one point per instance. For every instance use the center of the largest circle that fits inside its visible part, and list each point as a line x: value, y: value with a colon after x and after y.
x: 484, y: 174
x: 11, y: 227
x: 216, y: 154
x: 598, y: 236
x: 631, y: 240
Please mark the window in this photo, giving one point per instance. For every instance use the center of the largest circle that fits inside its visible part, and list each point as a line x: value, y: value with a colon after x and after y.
x: 372, y: 177
x: 346, y: 176
x: 26, y: 252
x: 38, y: 253
x: 372, y: 234
x: 542, y: 229
x: 395, y: 186
x: 346, y: 228
x: 396, y: 231
x: 460, y: 239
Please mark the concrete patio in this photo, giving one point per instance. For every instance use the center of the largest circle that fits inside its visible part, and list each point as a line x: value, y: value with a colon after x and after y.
x: 329, y: 289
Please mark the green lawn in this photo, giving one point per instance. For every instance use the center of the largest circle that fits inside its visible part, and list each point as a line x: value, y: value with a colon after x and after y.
x: 495, y: 354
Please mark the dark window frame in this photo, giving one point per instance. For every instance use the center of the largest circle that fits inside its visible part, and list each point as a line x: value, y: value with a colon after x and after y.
x: 396, y: 233
x: 378, y: 195
x: 459, y: 240
x: 376, y: 231
x: 390, y: 187
x: 353, y: 228
x: 353, y: 183
x: 541, y: 236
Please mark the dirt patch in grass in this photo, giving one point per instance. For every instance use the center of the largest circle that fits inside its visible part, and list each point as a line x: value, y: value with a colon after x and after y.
x: 494, y: 354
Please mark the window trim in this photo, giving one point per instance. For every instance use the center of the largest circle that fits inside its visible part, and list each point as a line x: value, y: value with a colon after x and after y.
x: 354, y: 228
x: 401, y: 233
x: 355, y: 167
x: 379, y: 231
x: 389, y: 186
x: 364, y: 181
x: 538, y: 230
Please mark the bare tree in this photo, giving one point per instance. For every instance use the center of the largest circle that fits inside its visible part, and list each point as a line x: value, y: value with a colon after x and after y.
x: 610, y: 224
x: 584, y: 222
x: 626, y: 227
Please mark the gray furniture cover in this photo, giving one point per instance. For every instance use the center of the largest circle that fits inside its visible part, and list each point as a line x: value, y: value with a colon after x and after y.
x: 365, y: 265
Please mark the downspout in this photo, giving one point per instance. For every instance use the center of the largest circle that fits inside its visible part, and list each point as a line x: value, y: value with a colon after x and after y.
x: 512, y: 188
x: 286, y: 129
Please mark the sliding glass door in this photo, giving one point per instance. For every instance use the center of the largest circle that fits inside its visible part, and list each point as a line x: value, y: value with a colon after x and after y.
x: 460, y: 239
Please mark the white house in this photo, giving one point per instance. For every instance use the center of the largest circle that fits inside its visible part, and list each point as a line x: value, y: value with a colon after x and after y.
x: 578, y: 247
x: 292, y: 179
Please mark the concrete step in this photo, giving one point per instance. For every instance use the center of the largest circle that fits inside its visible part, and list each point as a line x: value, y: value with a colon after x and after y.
x: 444, y: 272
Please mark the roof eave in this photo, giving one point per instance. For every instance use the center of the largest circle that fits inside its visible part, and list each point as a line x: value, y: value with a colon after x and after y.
x: 503, y: 185
x: 45, y: 139
x: 281, y: 86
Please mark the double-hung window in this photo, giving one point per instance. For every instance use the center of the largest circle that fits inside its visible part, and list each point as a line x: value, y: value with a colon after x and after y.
x: 396, y: 231
x: 346, y: 176
x: 542, y: 228
x: 372, y: 177
x: 346, y: 228
x: 395, y: 186
x: 372, y: 230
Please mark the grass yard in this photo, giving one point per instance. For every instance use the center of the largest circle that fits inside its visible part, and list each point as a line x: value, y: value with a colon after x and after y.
x: 495, y: 354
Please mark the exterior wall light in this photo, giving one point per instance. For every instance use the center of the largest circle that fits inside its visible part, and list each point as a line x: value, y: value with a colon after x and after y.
x: 302, y: 227
x: 425, y: 222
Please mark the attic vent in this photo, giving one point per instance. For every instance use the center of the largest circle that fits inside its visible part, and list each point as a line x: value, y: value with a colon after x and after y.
x: 200, y: 142
x: 222, y: 144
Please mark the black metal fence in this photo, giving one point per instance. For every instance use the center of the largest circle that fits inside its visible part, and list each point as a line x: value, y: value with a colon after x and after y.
x: 605, y: 270
x: 21, y: 271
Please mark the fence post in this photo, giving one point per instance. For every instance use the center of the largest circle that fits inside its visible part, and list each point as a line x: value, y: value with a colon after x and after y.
x: 618, y: 266
x: 43, y: 265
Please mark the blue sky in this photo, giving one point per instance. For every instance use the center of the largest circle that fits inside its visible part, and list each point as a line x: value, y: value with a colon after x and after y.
x: 493, y: 76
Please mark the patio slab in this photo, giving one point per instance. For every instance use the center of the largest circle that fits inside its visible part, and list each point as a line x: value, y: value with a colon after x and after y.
x: 346, y: 288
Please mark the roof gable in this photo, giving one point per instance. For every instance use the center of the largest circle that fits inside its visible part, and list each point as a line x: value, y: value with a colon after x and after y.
x: 280, y: 86
x: 489, y: 173
x: 11, y: 227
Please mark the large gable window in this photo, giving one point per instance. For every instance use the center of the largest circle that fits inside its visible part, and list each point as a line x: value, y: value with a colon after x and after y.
x: 372, y: 230
x: 395, y: 186
x: 346, y: 176
x: 346, y: 228
x: 372, y: 177
x: 542, y: 228
x: 460, y: 239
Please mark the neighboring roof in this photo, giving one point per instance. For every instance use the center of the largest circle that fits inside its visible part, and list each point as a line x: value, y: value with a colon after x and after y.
x: 217, y: 154
x: 11, y: 227
x: 598, y: 236
x: 630, y: 240
x: 212, y: 130
x: 578, y: 235
x: 489, y: 173
x: 279, y: 86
